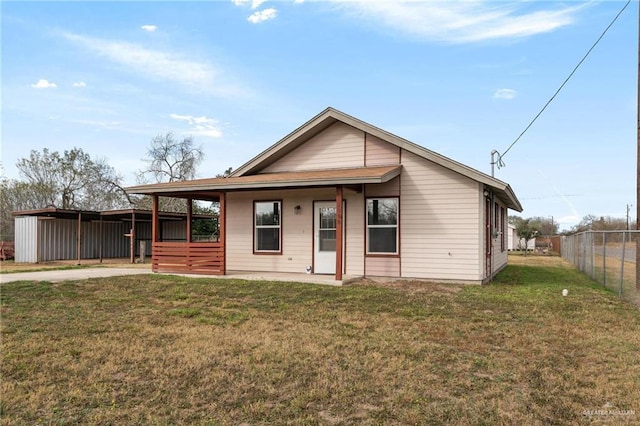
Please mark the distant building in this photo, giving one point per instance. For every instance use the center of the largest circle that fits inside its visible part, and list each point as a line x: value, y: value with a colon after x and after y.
x: 516, y: 243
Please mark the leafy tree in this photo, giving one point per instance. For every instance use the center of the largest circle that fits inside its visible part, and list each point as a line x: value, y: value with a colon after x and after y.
x: 545, y: 225
x: 205, y: 227
x: 225, y: 174
x: 170, y: 160
x: 526, y: 230
x: 71, y: 180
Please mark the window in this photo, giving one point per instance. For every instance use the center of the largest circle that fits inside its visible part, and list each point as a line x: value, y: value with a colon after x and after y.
x: 267, y: 226
x: 382, y: 225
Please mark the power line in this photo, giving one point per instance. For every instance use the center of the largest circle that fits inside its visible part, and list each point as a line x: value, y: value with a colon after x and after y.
x: 563, y: 84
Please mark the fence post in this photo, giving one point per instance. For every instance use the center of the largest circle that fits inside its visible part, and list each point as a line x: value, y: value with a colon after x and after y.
x: 143, y: 251
x: 604, y: 259
x: 593, y: 258
x: 624, y: 243
x: 584, y: 253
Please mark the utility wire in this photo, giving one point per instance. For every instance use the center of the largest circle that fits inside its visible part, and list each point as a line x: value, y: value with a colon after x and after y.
x: 565, y: 82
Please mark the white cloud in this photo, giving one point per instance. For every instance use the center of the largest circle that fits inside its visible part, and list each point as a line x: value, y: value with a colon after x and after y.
x: 505, y: 94
x: 263, y: 15
x: 98, y: 124
x: 158, y: 64
x: 44, y: 84
x: 254, y: 3
x: 463, y: 21
x: 202, y: 126
x: 79, y: 84
x: 149, y: 28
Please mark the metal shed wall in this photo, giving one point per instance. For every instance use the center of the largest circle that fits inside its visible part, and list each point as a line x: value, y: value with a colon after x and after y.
x: 58, y: 240
x: 174, y: 231
x: 26, y: 231
x: 46, y: 239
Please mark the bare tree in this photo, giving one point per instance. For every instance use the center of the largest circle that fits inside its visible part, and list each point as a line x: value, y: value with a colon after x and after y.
x: 600, y: 223
x: 69, y: 181
x: 170, y: 160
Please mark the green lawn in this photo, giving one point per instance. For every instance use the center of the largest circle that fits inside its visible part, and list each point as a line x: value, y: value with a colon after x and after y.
x: 172, y: 350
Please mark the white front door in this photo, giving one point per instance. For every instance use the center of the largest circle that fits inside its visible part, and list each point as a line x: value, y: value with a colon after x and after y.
x: 324, y: 224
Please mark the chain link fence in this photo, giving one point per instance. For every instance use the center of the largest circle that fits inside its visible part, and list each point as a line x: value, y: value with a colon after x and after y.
x: 608, y: 257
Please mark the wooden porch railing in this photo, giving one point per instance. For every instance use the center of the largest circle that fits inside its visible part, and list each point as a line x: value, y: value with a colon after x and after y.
x: 189, y: 258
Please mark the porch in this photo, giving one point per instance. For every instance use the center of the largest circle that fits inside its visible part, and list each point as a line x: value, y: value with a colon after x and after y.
x: 189, y: 257
x: 250, y: 211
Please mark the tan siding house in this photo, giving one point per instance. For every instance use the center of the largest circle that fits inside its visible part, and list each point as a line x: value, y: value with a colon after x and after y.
x: 339, y: 196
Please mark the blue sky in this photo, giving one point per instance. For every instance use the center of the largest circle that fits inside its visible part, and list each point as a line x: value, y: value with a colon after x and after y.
x: 459, y: 78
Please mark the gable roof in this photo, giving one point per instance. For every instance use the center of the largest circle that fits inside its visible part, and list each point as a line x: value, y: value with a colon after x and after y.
x: 331, y: 115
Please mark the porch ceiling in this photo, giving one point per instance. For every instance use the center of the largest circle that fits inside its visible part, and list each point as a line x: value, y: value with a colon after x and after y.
x: 303, y: 179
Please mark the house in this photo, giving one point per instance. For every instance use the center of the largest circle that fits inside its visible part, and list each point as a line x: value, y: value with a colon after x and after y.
x: 49, y: 234
x: 516, y: 243
x: 339, y: 196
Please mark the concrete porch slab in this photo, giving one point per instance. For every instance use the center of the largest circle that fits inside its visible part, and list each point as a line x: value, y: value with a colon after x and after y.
x: 279, y: 276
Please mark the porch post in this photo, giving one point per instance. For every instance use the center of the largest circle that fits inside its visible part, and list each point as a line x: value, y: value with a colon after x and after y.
x: 189, y: 218
x: 101, y: 238
x: 222, y: 231
x: 154, y: 219
x: 132, y: 238
x: 79, y: 237
x: 154, y: 230
x: 339, y: 198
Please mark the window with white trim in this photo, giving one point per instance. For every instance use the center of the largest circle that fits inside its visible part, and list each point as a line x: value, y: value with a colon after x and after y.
x: 382, y: 225
x: 267, y: 226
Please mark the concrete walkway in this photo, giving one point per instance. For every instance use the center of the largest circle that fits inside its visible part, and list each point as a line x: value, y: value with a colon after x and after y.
x: 82, y: 274
x: 71, y: 274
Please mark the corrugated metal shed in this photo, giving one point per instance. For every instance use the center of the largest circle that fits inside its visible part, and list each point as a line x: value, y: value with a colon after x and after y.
x: 58, y: 240
x: 52, y: 234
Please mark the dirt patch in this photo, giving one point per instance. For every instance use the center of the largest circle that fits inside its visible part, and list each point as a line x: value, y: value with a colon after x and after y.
x: 11, y: 266
x: 412, y: 286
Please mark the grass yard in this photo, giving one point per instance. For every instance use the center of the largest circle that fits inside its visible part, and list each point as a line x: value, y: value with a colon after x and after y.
x: 173, y: 350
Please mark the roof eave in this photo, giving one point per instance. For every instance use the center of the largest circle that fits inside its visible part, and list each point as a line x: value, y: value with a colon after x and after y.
x: 268, y: 185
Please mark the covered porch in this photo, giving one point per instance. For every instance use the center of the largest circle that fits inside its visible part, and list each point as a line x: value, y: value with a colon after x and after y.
x: 211, y: 257
x: 189, y: 257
